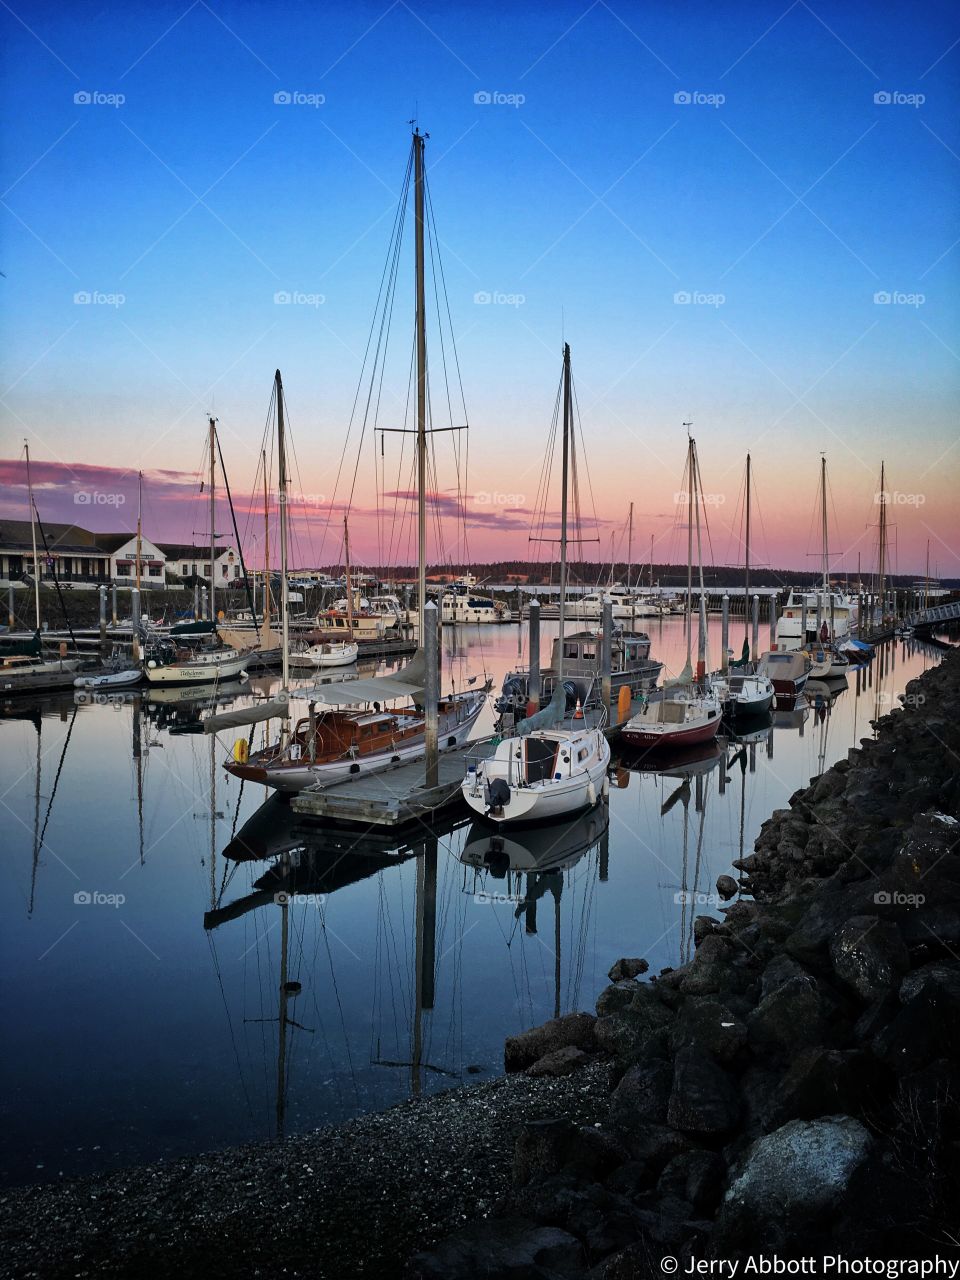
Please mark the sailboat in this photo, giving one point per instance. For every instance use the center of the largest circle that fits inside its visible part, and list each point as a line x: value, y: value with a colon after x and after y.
x: 337, y: 653
x: 687, y: 712
x: 827, y: 659
x: 174, y: 663
x: 23, y: 668
x: 333, y: 743
x: 743, y: 690
x: 543, y: 770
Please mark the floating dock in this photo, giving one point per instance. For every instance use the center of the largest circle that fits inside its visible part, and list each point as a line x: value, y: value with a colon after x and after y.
x: 392, y: 797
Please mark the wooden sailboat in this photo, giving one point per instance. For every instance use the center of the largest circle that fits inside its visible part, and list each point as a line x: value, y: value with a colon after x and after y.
x: 337, y: 653
x: 544, y: 772
x: 687, y: 712
x: 331, y: 744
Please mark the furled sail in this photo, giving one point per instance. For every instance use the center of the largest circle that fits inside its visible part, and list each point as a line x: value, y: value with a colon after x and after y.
x: 685, y: 677
x: 547, y: 717
x: 273, y: 709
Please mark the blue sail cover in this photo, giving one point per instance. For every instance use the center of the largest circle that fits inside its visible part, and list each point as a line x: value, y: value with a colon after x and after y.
x: 547, y: 717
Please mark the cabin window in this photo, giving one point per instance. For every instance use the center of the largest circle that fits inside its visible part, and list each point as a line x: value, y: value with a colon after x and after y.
x: 571, y: 651
x: 582, y: 754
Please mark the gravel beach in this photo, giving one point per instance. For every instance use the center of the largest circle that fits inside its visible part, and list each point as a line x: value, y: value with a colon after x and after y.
x: 355, y: 1200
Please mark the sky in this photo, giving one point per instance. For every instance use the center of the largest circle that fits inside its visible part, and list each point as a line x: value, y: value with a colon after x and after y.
x: 742, y: 217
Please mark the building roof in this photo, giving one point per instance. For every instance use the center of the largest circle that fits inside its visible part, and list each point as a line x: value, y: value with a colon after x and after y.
x: 16, y: 535
x: 185, y: 551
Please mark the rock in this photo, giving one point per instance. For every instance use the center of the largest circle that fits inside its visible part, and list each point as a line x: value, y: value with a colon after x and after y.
x: 796, y: 1174
x: 500, y: 1249
x: 627, y: 969
x: 703, y: 926
x: 574, y: 1029
x: 710, y: 1026
x: 561, y: 1062
x: 727, y: 887
x: 936, y: 972
x: 794, y: 1013
x: 593, y: 1154
x: 780, y: 970
x: 703, y: 1100
x: 703, y: 979
x: 615, y: 998
x: 695, y: 1176
x: 928, y: 1025
x: 641, y: 1096
x: 823, y: 1082
x: 869, y: 955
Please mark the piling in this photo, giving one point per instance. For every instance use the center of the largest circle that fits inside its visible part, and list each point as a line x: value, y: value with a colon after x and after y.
x: 533, y: 682
x: 204, y: 611
x: 606, y: 656
x: 196, y: 601
x: 114, y: 605
x: 135, y: 622
x: 772, y: 608
x: 803, y: 620
x: 431, y: 692
x: 755, y: 638
x: 103, y: 617
x: 11, y: 616
x: 725, y: 633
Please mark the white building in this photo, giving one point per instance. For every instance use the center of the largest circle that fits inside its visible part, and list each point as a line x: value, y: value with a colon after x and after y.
x: 186, y: 561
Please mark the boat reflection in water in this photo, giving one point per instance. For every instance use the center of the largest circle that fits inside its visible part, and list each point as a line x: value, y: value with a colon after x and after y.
x: 530, y: 864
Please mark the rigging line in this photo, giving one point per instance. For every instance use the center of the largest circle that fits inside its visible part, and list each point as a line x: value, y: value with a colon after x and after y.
x: 233, y: 1036
x: 56, y: 780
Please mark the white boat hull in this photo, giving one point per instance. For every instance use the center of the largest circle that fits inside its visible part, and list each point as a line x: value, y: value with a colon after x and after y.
x: 544, y: 799
x: 112, y: 680
x: 198, y: 671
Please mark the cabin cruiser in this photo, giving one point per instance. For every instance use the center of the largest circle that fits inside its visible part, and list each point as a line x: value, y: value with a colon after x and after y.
x: 631, y: 668
x: 788, y: 670
x: 627, y: 604
x: 833, y: 609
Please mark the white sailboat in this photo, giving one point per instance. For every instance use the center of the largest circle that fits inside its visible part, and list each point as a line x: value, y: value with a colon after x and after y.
x: 544, y: 771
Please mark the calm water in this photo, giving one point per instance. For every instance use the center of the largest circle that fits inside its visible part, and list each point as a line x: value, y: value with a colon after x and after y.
x: 143, y: 966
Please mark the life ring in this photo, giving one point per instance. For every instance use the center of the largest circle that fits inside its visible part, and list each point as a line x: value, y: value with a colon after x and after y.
x: 241, y: 751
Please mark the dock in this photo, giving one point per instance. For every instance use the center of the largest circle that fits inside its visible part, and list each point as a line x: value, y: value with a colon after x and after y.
x: 392, y: 797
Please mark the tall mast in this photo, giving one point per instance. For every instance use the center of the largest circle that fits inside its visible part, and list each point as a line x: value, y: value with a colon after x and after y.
x: 421, y: 339
x: 266, y: 549
x: 33, y: 539
x: 630, y: 547
x: 882, y: 567
x: 690, y: 484
x: 213, y: 516
x: 926, y: 577
x: 823, y: 513
x: 563, y: 502
x: 139, y: 521
x: 282, y: 483
x: 746, y: 559
x: 346, y: 560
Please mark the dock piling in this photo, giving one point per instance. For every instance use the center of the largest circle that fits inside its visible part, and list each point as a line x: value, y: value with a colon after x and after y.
x: 755, y: 639
x: 606, y: 656
x: 431, y: 693
x: 114, y: 605
x: 135, y: 622
x: 725, y: 633
x: 103, y: 617
x: 533, y: 682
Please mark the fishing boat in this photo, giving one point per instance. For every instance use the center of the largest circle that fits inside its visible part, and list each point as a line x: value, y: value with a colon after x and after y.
x: 743, y: 690
x: 543, y: 770
x: 631, y: 668
x: 687, y: 712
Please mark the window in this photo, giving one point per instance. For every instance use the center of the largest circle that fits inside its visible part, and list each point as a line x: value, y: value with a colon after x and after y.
x: 236, y: 571
x: 224, y: 570
x: 123, y: 571
x: 186, y: 570
x: 571, y: 651
x: 589, y: 652
x: 155, y: 570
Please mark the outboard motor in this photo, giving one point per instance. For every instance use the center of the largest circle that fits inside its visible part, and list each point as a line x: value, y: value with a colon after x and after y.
x: 498, y: 795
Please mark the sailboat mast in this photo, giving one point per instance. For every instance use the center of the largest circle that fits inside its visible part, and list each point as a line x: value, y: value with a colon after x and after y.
x: 346, y: 560
x: 33, y: 539
x: 213, y: 516
x: 823, y: 519
x: 421, y: 327
x: 266, y: 549
x: 746, y: 557
x: 882, y: 566
x: 926, y: 577
x: 690, y: 483
x: 563, y: 501
x: 284, y: 588
x: 139, y: 522
x: 630, y: 548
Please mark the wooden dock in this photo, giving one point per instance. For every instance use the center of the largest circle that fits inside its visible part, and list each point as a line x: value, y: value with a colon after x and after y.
x: 392, y: 797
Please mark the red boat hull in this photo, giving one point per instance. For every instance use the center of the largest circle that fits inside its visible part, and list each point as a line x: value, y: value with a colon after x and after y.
x: 680, y: 736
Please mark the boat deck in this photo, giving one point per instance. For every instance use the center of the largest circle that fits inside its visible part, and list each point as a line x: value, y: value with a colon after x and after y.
x: 392, y: 797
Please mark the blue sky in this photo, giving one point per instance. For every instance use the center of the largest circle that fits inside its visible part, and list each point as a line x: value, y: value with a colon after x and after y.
x: 590, y: 193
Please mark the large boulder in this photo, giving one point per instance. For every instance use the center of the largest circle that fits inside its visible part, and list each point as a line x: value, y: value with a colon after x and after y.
x: 642, y: 1096
x: 869, y: 955
x: 704, y: 1100
x: 574, y: 1029
x: 559, y: 1062
x: 709, y: 1025
x: 627, y: 968
x: 795, y: 1012
x: 795, y: 1177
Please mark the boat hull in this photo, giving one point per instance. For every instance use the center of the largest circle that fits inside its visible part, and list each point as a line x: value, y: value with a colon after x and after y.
x: 186, y: 673
x: 541, y: 801
x: 672, y: 736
